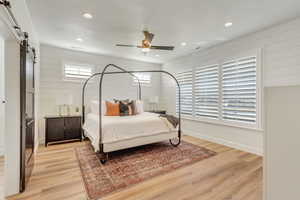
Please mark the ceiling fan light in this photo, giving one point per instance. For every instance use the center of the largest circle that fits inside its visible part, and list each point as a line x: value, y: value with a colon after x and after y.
x: 87, y: 15
x: 183, y: 43
x: 228, y: 24
x: 145, y: 50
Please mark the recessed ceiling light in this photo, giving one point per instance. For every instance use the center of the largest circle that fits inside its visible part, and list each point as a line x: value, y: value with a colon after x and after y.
x: 87, y: 15
x: 183, y: 43
x: 221, y: 39
x: 157, y: 55
x: 75, y: 47
x: 79, y: 39
x: 228, y: 24
x: 202, y: 43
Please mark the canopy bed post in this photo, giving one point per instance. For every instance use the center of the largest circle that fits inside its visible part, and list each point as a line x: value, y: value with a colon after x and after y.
x: 83, y: 95
x: 104, y: 156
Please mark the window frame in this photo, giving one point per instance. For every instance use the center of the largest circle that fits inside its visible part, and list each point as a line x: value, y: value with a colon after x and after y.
x: 83, y: 65
x: 135, y: 83
x: 258, y: 125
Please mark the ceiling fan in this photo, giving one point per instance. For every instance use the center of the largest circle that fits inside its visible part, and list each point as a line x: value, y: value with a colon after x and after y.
x: 146, y: 44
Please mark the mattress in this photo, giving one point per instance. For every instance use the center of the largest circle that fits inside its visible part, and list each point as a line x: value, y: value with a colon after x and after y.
x: 121, y: 128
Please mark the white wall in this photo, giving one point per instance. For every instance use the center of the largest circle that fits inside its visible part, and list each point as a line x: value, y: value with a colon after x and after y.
x: 12, y: 118
x: 12, y: 93
x: 2, y: 97
x: 53, y: 86
x: 282, y: 161
x: 280, y: 47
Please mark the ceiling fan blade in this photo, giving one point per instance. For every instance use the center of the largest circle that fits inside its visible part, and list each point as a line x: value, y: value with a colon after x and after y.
x: 148, y: 36
x: 125, y: 45
x: 168, y: 48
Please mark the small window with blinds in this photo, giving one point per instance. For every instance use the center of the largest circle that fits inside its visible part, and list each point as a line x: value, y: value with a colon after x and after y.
x: 77, y: 72
x: 206, y: 92
x: 239, y: 90
x: 185, y: 80
x: 144, y: 78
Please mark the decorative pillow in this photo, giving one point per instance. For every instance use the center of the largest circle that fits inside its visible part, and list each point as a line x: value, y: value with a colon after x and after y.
x: 126, y: 108
x: 139, y: 107
x: 95, y: 107
x: 112, y: 109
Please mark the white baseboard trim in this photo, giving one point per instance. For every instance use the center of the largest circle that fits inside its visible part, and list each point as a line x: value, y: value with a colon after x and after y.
x: 242, y: 147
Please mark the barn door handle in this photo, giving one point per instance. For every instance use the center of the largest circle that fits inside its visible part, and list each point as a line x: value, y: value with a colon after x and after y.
x: 29, y: 123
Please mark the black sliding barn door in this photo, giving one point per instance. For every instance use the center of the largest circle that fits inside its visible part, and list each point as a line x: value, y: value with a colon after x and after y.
x: 27, y: 112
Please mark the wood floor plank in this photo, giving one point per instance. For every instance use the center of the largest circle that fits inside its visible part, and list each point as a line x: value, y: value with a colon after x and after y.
x: 1, y: 177
x: 230, y: 175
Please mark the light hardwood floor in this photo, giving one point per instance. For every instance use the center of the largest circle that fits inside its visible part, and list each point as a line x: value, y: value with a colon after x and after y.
x: 1, y: 177
x: 231, y: 175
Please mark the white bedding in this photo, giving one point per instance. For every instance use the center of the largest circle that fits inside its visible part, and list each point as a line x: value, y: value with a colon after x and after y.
x: 117, y: 128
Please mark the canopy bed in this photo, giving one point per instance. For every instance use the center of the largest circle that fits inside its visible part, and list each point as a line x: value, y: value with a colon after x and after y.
x: 109, y: 134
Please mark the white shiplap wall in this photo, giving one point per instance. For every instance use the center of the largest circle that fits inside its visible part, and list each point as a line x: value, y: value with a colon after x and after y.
x: 2, y: 97
x: 52, y: 86
x: 280, y: 51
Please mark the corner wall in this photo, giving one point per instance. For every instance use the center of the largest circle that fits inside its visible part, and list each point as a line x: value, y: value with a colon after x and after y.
x: 12, y: 118
x: 280, y: 47
x: 2, y: 97
x: 282, y: 161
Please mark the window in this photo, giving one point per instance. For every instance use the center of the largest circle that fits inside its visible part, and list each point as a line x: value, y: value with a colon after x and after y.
x: 185, y: 80
x: 223, y: 93
x: 239, y: 90
x: 75, y: 72
x: 144, y: 78
x: 206, y: 88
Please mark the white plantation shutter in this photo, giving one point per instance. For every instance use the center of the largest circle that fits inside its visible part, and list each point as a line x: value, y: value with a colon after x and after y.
x: 239, y: 90
x: 144, y: 78
x: 206, y: 90
x: 185, y: 80
x: 77, y: 72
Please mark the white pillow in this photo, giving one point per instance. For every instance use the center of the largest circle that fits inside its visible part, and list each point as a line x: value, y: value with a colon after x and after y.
x: 95, y: 107
x: 139, y: 107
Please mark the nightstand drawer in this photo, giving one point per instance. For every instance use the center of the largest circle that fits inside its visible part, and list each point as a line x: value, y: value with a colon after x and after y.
x: 72, y: 128
x: 54, y: 130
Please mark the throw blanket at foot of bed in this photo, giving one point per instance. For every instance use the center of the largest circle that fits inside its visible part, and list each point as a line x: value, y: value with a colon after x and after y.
x: 171, y: 118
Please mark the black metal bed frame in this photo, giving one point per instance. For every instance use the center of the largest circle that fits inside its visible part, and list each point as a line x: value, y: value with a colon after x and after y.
x: 104, y: 156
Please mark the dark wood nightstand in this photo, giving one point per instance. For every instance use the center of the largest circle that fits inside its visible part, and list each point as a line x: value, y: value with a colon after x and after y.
x: 157, y: 111
x: 63, y: 129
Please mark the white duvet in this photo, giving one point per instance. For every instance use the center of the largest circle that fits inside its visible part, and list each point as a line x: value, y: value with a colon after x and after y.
x: 118, y: 128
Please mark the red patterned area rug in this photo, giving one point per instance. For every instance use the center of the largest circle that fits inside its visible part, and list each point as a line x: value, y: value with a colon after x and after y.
x: 128, y: 167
